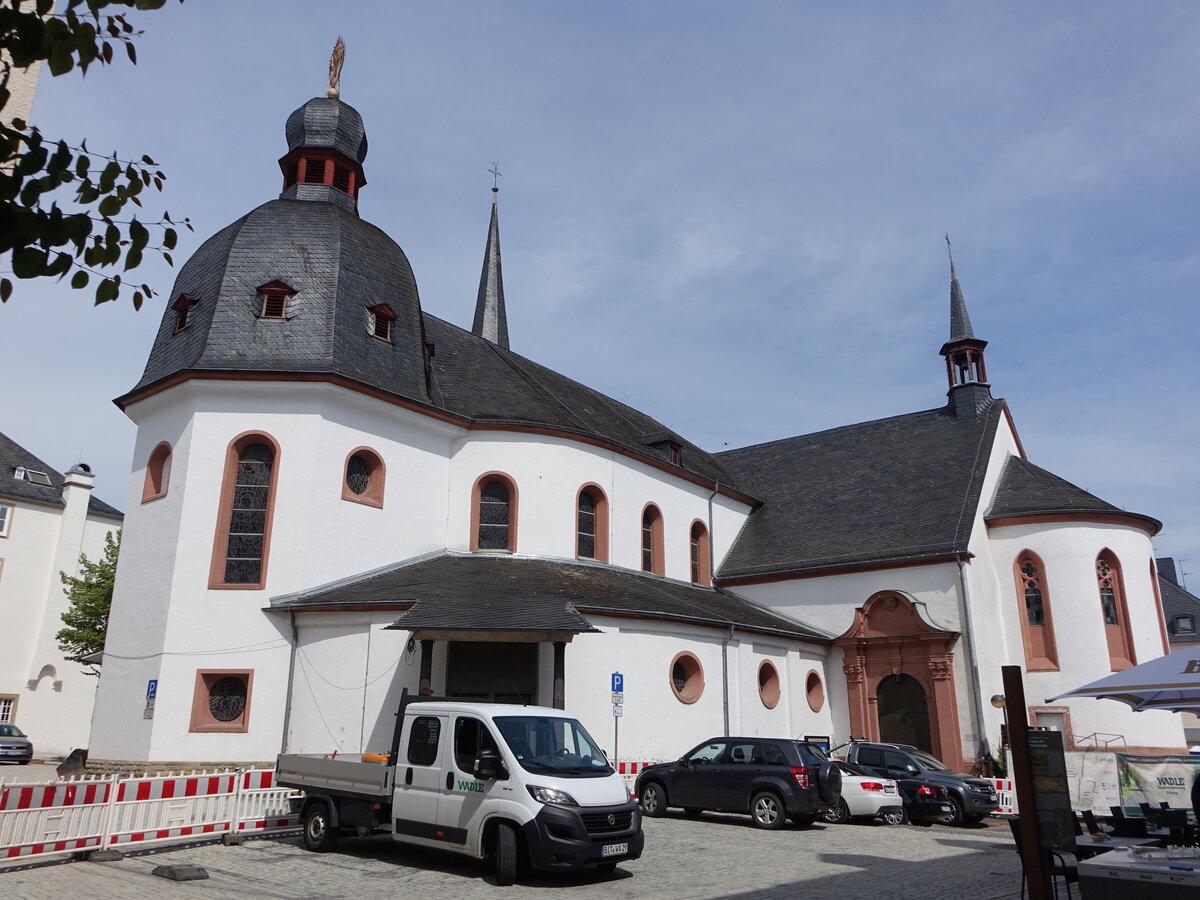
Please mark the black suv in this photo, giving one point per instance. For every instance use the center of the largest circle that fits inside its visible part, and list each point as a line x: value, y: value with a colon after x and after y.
x: 970, y: 798
x: 772, y: 779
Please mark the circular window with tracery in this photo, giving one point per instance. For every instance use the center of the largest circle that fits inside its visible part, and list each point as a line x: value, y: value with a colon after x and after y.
x: 768, y: 684
x: 687, y: 677
x: 227, y: 699
x: 814, y: 690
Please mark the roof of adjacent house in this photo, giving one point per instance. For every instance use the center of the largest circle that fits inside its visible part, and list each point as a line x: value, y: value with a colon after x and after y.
x: 892, y: 490
x: 450, y: 591
x: 1029, y: 490
x: 1177, y: 601
x: 14, y: 456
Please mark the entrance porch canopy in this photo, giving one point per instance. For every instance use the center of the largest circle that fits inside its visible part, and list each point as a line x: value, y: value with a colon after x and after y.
x: 488, y: 596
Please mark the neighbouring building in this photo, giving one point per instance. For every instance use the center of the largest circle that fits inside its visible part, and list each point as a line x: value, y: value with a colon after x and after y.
x: 47, y: 520
x: 1182, y: 611
x: 337, y: 495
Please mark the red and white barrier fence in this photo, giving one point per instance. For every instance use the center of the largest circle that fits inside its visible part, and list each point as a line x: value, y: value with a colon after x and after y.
x: 39, y: 819
x: 629, y: 771
x: 1007, y: 794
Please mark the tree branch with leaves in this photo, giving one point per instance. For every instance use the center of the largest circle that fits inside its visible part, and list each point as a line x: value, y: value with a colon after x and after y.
x: 89, y: 239
x: 90, y: 593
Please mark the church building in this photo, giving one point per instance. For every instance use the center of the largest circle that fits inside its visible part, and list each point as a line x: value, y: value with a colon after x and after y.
x: 336, y: 496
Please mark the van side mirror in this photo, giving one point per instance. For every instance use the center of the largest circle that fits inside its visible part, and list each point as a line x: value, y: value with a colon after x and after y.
x: 488, y: 765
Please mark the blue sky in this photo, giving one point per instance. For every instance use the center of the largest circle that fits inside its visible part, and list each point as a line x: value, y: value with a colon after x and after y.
x: 729, y: 215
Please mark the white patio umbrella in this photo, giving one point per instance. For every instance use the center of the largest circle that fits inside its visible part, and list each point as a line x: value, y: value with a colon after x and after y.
x: 1170, y: 682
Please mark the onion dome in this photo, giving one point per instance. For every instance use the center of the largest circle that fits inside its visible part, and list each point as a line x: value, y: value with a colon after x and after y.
x: 327, y: 144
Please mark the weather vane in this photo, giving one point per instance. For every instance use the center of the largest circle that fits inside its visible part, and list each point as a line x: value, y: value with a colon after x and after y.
x: 495, y: 170
x: 948, y: 250
x: 335, y: 68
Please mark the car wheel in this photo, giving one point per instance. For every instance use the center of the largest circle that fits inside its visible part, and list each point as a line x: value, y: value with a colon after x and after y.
x: 956, y: 813
x: 506, y: 854
x: 829, y: 783
x: 895, y: 818
x: 766, y: 809
x: 837, y: 815
x: 654, y: 799
x: 319, y: 833
x: 692, y: 811
x: 23, y: 762
x: 805, y: 820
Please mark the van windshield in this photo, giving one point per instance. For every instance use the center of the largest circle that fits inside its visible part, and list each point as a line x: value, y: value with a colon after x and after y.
x: 550, y: 745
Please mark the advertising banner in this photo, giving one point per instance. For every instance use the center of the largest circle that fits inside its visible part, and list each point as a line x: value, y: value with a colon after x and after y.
x: 1153, y: 779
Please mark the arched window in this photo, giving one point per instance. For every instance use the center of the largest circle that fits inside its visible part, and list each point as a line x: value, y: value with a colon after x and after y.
x: 494, y: 513
x: 1037, y: 623
x: 700, y: 554
x: 158, y: 472
x: 652, y: 540
x: 364, y: 477
x: 591, y: 524
x: 244, y: 518
x: 1115, y: 613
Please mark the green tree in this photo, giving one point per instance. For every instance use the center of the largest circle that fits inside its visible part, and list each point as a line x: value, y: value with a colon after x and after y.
x: 90, y: 594
x: 38, y: 236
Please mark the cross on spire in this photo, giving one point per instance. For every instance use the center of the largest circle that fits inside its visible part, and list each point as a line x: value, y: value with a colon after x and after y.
x: 496, y: 173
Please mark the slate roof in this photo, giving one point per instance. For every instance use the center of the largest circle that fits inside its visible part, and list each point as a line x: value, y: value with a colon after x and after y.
x: 474, y: 591
x: 13, y: 455
x: 1029, y: 490
x: 488, y: 383
x: 1177, y: 601
x: 897, y: 489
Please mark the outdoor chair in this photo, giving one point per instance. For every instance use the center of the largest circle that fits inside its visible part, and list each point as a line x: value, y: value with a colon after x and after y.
x: 1146, y: 808
x: 1118, y: 812
x: 1129, y: 827
x: 1089, y: 819
x: 1055, y: 862
x: 1165, y: 804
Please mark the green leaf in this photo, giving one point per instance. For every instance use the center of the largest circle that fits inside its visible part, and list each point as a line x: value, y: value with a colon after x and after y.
x: 129, y: 49
x: 109, y: 206
x: 29, y: 262
x: 167, y: 257
x: 80, y: 279
x: 139, y: 237
x: 5, y: 290
x: 137, y: 299
x: 106, y: 290
x: 133, y: 259
x: 170, y: 237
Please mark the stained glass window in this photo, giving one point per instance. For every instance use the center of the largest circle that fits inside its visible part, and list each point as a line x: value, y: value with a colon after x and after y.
x: 493, y: 516
x: 227, y: 698
x: 358, y: 474
x: 586, y: 527
x: 248, y: 516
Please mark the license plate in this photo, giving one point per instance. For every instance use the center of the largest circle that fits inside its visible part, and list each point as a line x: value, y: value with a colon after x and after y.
x: 614, y: 849
x: 890, y: 789
x: 944, y: 807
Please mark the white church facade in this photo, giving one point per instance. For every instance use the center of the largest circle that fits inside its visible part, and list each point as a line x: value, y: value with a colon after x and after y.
x: 337, y: 496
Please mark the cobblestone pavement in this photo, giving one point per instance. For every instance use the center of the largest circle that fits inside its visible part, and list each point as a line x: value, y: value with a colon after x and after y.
x: 710, y: 857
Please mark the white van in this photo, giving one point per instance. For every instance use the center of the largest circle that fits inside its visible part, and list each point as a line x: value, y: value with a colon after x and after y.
x: 493, y: 781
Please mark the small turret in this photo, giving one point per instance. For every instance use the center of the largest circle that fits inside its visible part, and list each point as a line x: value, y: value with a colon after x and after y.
x: 491, y: 323
x: 969, y: 391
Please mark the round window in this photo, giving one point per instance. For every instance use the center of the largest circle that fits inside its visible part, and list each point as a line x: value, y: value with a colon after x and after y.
x: 687, y: 677
x: 358, y: 474
x: 768, y: 684
x: 227, y: 699
x: 815, y: 691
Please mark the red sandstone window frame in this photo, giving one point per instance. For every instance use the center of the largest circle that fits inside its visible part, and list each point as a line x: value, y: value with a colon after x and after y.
x: 513, y: 508
x: 216, y: 572
x: 158, y: 473
x: 599, y: 522
x: 183, y: 307
x: 700, y: 554
x: 1158, y: 605
x: 770, y: 688
x: 275, y: 297
x: 202, y: 719
x: 692, y: 671
x: 1118, y: 635
x: 1068, y: 733
x: 376, y: 478
x: 652, y: 523
x: 380, y: 322
x: 814, y: 690
x: 1041, y: 649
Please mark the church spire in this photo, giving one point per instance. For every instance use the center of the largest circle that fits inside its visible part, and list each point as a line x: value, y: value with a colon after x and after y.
x: 490, y: 320
x: 969, y: 391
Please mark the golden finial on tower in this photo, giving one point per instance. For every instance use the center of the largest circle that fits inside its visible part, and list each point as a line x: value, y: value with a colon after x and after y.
x: 335, y: 68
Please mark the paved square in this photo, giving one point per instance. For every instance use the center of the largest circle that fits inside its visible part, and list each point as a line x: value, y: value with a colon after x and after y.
x: 710, y: 857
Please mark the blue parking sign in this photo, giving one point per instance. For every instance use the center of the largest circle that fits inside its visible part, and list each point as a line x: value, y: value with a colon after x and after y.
x: 151, y: 688
x: 618, y: 682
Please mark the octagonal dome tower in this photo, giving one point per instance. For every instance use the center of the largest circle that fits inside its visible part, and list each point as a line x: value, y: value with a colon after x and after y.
x: 301, y: 285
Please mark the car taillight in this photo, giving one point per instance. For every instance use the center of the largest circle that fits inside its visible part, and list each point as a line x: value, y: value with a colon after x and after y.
x: 926, y: 791
x: 872, y: 786
x: 800, y: 773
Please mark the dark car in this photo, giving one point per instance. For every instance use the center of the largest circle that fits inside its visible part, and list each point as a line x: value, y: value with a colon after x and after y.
x: 970, y: 798
x: 772, y: 779
x: 924, y: 802
x: 14, y: 745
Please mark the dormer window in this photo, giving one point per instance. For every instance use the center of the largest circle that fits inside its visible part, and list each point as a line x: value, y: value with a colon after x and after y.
x: 32, y: 476
x: 379, y: 321
x: 182, y: 307
x: 665, y: 445
x: 275, y: 296
x: 1185, y: 624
